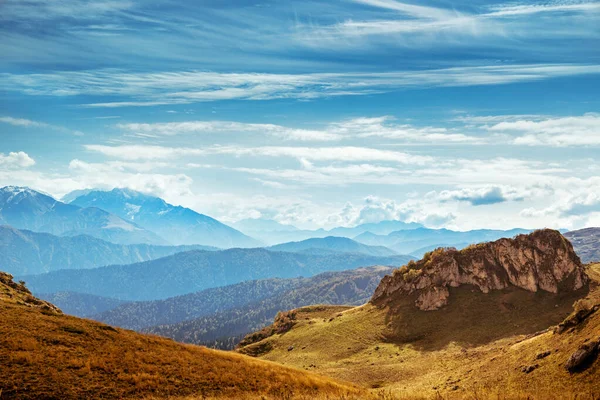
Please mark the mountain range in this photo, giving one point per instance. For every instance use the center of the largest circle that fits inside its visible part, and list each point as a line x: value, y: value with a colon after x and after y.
x: 332, y: 244
x: 586, y: 243
x: 272, y: 232
x: 178, y: 225
x: 421, y: 240
x: 226, y: 328
x: 193, y: 271
x: 221, y: 316
x: 24, y: 252
x: 24, y: 208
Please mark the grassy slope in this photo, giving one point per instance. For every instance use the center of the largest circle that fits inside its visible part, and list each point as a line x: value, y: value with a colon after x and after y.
x: 46, y: 354
x: 412, y: 357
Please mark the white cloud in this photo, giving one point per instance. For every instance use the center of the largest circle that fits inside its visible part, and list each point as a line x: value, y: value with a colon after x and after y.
x: 27, y: 123
x: 558, y: 132
x: 45, y: 10
x: 15, y: 160
x: 511, y: 10
x: 375, y: 209
x: 22, y: 122
x: 488, y: 195
x: 143, y: 152
x: 409, y: 9
x: 348, y: 153
x: 148, y: 89
x: 207, y: 127
x: 363, y: 127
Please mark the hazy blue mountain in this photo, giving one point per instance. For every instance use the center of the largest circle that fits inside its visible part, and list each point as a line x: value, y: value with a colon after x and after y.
x: 80, y: 304
x: 378, y: 228
x: 226, y: 328
x: 24, y: 252
x: 586, y: 243
x: 262, y: 225
x: 143, y: 314
x: 282, y: 234
x: 333, y: 244
x: 179, y: 225
x: 24, y: 208
x: 409, y: 241
x: 193, y: 271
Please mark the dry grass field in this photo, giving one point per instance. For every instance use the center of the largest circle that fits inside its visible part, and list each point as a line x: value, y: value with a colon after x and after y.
x: 478, y: 347
x: 47, y: 355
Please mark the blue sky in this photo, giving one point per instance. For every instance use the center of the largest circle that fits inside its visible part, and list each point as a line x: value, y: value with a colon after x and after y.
x: 456, y: 114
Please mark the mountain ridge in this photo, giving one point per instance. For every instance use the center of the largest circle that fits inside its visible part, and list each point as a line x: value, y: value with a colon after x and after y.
x: 191, y: 271
x: 25, y: 208
x: 181, y: 225
x: 333, y: 243
x: 24, y: 252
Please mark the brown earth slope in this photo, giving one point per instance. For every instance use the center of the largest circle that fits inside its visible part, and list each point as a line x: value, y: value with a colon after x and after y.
x: 45, y: 354
x: 501, y: 344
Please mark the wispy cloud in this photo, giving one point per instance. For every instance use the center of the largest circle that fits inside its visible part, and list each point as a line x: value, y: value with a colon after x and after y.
x: 558, y: 132
x: 511, y: 10
x: 208, y: 127
x: 150, y: 89
x: 364, y: 127
x: 347, y: 153
x: 22, y: 122
x: 27, y: 123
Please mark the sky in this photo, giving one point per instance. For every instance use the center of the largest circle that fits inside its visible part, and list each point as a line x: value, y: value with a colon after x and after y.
x: 457, y: 114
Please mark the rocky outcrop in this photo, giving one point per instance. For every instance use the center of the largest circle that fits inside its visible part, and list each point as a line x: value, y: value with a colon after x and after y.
x: 543, y: 260
x: 13, y: 292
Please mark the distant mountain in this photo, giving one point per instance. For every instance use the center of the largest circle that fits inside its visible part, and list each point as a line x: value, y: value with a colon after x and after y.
x: 409, y: 241
x: 333, y: 244
x: 24, y: 208
x: 193, y: 271
x: 25, y: 252
x: 81, y: 304
x: 586, y: 243
x: 271, y: 232
x: 262, y: 225
x: 144, y: 314
x: 224, y: 329
x: 179, y: 225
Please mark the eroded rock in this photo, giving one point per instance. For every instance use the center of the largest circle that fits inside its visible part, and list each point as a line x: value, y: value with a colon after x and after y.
x: 543, y: 260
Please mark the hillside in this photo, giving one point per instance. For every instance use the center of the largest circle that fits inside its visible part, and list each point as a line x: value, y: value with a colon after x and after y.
x: 24, y: 252
x: 81, y: 304
x: 182, y: 226
x: 224, y: 329
x: 193, y: 271
x: 409, y: 241
x: 334, y: 244
x: 502, y: 343
x: 24, y: 208
x: 586, y: 243
x: 45, y: 354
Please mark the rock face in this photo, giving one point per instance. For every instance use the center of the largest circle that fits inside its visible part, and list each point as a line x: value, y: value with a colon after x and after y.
x: 543, y: 260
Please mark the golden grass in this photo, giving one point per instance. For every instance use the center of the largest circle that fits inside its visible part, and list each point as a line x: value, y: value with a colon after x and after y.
x: 474, y: 349
x: 45, y: 355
